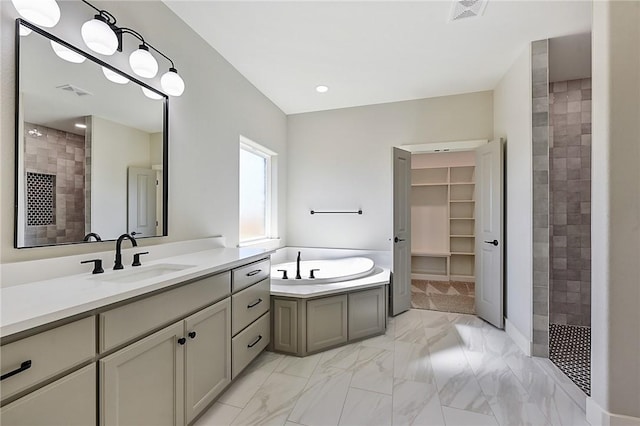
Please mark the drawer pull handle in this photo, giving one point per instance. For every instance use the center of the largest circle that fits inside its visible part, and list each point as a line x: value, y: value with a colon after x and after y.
x: 192, y: 334
x: 254, y: 272
x: 24, y: 366
x: 182, y: 341
x: 256, y: 303
x: 255, y: 342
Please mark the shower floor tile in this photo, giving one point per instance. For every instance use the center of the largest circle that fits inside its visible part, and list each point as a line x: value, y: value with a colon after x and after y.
x: 570, y: 350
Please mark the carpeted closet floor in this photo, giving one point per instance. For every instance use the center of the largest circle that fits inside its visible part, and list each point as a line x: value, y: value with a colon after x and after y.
x: 444, y: 296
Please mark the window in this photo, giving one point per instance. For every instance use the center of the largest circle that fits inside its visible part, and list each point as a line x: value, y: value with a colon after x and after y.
x: 256, y: 191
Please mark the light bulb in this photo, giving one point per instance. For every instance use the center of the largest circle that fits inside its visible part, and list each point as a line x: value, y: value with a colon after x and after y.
x: 45, y: 13
x: 66, y: 53
x: 114, y: 76
x: 150, y: 94
x: 172, y: 83
x: 143, y: 63
x: 99, y: 37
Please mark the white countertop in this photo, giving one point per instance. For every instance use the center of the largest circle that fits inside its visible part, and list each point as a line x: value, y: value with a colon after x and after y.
x: 305, y: 291
x: 34, y: 304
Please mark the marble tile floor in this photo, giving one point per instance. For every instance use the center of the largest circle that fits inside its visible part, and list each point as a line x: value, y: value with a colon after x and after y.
x: 430, y: 368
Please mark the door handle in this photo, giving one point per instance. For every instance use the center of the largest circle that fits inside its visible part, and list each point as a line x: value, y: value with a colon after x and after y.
x: 396, y: 239
x: 134, y: 233
x: 494, y: 242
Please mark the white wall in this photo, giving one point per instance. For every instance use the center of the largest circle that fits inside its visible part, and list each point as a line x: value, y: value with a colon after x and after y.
x: 114, y: 148
x: 512, y: 121
x: 615, y: 290
x: 341, y: 159
x: 218, y: 105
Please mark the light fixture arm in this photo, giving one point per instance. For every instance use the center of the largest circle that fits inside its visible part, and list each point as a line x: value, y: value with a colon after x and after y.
x: 111, y: 21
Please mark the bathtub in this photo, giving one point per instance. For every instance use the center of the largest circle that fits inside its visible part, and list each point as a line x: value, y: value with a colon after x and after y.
x: 325, y: 271
x: 345, y: 302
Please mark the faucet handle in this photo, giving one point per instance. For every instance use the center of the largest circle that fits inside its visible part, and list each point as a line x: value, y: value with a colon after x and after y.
x: 136, y: 258
x: 311, y: 276
x: 97, y: 265
x: 284, y: 274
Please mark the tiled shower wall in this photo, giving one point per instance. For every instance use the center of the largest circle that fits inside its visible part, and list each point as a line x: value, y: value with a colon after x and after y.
x: 570, y: 202
x: 60, y: 154
x: 540, y: 169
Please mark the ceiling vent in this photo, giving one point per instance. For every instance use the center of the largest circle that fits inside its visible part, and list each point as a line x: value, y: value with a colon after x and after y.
x: 462, y: 9
x: 74, y: 89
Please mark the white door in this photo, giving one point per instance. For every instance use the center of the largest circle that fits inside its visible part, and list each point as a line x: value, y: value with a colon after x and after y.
x: 141, y: 218
x: 489, y: 242
x: 401, y: 272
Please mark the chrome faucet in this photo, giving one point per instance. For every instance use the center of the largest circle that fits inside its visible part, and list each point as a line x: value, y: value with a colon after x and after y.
x: 298, y: 276
x: 118, y: 262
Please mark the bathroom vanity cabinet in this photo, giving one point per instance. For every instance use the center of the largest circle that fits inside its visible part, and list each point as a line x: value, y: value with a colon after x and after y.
x: 160, y: 358
x: 305, y: 326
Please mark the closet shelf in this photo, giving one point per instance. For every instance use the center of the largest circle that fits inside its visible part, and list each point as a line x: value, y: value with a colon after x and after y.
x: 461, y: 218
x: 430, y: 184
x: 430, y: 253
x: 462, y: 236
x: 462, y: 253
x: 461, y: 183
x: 462, y: 201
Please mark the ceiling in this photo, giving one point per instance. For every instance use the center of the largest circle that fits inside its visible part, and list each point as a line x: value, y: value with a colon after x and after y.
x: 370, y: 52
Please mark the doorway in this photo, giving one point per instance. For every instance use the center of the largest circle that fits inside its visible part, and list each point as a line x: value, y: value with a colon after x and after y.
x: 446, y: 258
x: 443, y: 231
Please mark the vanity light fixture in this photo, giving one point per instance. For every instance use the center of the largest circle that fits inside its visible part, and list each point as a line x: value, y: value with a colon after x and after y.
x: 66, y: 53
x: 150, y: 94
x: 81, y: 126
x: 143, y: 63
x: 102, y: 35
x: 114, y: 76
x: 99, y: 36
x: 322, y: 89
x: 45, y: 13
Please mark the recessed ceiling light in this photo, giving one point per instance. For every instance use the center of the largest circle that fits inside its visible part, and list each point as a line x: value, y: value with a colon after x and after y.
x: 322, y: 89
x: 81, y: 126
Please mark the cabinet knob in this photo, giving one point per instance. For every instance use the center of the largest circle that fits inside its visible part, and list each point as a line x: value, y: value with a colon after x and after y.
x: 182, y: 341
x: 192, y: 334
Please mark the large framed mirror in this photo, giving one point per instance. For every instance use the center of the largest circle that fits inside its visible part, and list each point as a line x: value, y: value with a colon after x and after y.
x: 91, y: 147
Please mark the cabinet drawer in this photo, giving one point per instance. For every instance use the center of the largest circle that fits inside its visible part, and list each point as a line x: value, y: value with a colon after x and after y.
x: 248, y: 344
x: 250, y: 304
x: 250, y: 274
x: 50, y: 352
x: 123, y: 324
x: 69, y: 401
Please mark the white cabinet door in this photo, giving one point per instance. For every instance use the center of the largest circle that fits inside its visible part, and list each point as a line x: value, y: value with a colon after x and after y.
x: 70, y: 401
x: 208, y: 356
x: 143, y: 384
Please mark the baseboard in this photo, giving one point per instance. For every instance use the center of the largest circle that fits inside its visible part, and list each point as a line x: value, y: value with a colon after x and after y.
x: 518, y: 338
x: 597, y: 416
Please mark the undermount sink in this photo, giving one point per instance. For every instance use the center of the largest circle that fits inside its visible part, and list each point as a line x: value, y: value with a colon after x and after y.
x: 142, y: 273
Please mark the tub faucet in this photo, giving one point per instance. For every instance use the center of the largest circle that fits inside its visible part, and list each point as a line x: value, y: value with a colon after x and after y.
x: 298, y: 276
x: 118, y: 262
x: 92, y: 234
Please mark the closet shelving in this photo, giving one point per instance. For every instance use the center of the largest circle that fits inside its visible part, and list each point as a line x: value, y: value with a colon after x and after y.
x: 443, y: 223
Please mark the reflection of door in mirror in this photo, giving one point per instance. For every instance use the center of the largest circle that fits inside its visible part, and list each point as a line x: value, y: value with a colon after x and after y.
x: 142, y: 201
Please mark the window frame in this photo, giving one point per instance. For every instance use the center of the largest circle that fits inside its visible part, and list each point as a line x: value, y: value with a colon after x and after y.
x: 270, y: 209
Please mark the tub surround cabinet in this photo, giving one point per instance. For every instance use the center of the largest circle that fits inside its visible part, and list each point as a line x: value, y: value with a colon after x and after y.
x: 305, y: 326
x: 157, y: 359
x: 443, y: 222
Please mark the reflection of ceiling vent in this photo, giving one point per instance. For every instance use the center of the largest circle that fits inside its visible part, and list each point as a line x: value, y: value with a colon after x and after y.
x: 462, y: 9
x: 74, y: 89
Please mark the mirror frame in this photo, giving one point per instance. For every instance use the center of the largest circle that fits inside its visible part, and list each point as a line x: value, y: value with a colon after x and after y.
x: 18, y: 156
